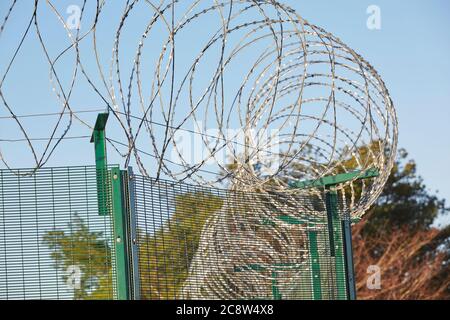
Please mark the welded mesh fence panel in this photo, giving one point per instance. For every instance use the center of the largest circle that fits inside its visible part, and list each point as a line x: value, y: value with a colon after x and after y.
x: 53, y: 242
x: 205, y: 243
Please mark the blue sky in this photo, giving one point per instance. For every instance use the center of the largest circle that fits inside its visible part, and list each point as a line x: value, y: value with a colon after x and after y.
x: 411, y: 52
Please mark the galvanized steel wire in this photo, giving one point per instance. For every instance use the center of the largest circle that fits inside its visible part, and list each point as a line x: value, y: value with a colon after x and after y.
x: 267, y: 69
x: 256, y: 65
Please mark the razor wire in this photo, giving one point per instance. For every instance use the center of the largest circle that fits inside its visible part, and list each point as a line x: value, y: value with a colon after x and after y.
x: 255, y: 65
x: 302, y: 81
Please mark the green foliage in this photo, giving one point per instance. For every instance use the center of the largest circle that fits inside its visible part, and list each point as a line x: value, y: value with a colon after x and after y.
x: 165, y: 256
x: 86, y: 250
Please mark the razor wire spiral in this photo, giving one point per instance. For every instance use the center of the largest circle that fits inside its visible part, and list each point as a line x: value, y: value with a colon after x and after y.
x: 304, y: 103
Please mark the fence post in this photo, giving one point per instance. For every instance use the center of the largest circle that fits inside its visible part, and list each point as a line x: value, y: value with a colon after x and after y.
x: 120, y: 234
x: 335, y: 238
x: 133, y: 248
x: 348, y: 249
x: 315, y: 264
x: 275, y: 291
x: 112, y: 200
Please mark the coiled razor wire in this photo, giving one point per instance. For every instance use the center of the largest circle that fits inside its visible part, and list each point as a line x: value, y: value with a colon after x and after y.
x: 238, y: 254
x: 252, y: 65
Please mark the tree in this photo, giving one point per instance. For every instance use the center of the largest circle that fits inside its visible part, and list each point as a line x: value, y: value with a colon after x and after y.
x: 165, y: 255
x: 408, y: 268
x: 86, y: 251
x: 397, y: 236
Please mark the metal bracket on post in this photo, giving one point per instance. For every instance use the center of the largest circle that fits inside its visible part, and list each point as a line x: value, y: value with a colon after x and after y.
x: 340, y: 236
x: 101, y: 164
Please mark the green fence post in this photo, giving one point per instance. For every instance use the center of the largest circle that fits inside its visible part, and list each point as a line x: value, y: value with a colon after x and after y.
x: 120, y: 234
x: 133, y: 248
x: 315, y: 265
x: 112, y: 200
x: 348, y: 249
x: 336, y: 243
x: 275, y: 291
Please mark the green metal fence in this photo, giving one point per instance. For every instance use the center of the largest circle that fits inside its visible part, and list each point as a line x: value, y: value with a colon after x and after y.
x: 105, y: 233
x: 141, y: 237
x: 284, y: 256
x: 53, y: 242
